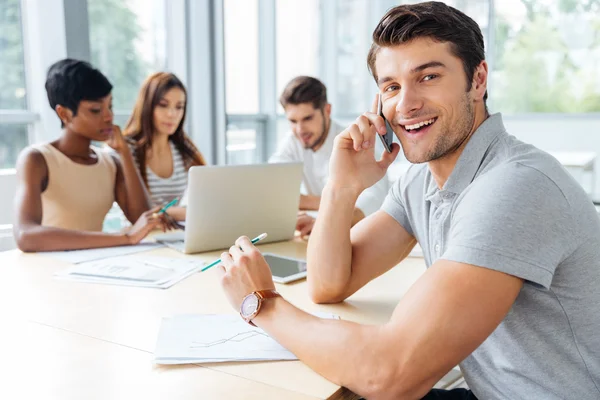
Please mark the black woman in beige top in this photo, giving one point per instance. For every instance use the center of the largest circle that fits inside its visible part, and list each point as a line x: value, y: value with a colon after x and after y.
x: 66, y: 187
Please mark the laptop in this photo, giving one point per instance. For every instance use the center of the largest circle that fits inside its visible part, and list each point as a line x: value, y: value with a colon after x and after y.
x: 226, y: 202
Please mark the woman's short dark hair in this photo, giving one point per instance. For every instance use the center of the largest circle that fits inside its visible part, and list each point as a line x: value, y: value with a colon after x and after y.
x: 434, y: 20
x: 70, y: 81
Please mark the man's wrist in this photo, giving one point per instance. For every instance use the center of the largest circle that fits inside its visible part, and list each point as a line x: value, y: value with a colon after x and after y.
x: 340, y: 192
x: 268, y: 310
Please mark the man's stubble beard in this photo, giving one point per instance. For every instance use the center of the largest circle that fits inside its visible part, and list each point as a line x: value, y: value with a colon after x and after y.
x: 446, y: 143
x: 324, y: 134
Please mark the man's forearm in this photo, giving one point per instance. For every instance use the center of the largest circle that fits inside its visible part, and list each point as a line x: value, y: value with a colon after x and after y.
x: 178, y: 213
x: 309, y: 203
x: 138, y: 199
x: 357, y: 215
x: 345, y: 353
x: 43, y: 238
x: 329, y: 248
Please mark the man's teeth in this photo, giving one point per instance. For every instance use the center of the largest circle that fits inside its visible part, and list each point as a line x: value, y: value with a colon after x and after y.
x: 420, y: 124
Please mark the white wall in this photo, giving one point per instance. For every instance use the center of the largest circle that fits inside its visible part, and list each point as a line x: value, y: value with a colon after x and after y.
x: 560, y: 133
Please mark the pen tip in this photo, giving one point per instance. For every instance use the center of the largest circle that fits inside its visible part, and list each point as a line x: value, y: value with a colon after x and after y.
x: 262, y: 236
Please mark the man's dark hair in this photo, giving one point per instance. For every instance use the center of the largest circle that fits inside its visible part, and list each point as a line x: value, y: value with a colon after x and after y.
x: 434, y: 20
x: 304, y: 89
x: 70, y: 81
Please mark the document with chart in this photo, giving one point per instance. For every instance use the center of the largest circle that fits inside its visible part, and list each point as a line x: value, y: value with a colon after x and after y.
x: 192, y: 339
x: 149, y: 271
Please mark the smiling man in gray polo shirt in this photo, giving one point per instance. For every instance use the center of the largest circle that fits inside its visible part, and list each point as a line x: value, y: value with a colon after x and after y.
x: 511, y: 241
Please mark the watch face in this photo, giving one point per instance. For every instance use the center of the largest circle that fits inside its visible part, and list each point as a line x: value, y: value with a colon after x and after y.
x: 249, y: 305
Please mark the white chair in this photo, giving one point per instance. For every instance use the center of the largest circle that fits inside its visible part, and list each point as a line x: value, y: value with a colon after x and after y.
x: 579, y: 163
x: 8, y: 183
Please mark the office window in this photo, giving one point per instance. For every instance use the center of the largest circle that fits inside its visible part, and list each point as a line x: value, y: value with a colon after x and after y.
x: 12, y: 66
x: 355, y: 86
x: 546, y: 56
x: 242, y: 144
x: 479, y: 10
x: 241, y: 56
x: 298, y: 46
x: 13, y: 139
x: 127, y: 43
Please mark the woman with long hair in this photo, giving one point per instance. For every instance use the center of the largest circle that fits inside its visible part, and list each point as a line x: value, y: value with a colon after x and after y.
x: 162, y: 151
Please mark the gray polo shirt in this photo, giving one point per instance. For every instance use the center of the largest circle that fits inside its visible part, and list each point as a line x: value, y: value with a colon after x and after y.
x: 510, y: 207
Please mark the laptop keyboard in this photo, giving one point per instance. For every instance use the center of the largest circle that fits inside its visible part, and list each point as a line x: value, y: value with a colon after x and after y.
x: 176, y: 245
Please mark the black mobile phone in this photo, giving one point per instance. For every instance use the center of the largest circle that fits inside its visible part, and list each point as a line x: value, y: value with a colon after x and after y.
x: 388, y: 138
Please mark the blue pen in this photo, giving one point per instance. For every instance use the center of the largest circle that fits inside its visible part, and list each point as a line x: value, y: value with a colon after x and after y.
x: 216, y: 262
x: 167, y: 206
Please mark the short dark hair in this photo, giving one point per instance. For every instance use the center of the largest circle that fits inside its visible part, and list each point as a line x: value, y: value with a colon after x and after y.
x: 304, y: 89
x: 434, y: 20
x: 69, y: 81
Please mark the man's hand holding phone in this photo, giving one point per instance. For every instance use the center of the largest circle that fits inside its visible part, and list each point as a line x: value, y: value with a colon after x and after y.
x: 353, y: 164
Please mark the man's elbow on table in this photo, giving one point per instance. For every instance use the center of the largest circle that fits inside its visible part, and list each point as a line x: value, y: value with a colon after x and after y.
x: 325, y: 293
x: 319, y: 296
x: 390, y: 382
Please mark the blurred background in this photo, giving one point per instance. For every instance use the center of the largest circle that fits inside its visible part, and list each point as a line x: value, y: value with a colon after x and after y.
x: 235, y: 56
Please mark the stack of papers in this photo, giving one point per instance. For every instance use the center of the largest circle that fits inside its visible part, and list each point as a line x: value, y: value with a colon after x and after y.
x: 194, y: 339
x: 79, y: 256
x: 150, y: 271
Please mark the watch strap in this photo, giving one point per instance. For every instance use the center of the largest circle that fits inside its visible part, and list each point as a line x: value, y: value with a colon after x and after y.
x: 267, y: 294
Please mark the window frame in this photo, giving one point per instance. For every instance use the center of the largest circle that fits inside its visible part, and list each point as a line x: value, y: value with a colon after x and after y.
x: 328, y: 66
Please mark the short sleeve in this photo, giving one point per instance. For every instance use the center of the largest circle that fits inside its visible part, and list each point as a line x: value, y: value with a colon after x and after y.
x: 515, y: 220
x: 395, y: 205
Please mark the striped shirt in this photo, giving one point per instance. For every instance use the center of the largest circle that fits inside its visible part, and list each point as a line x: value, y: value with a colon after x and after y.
x: 163, y: 190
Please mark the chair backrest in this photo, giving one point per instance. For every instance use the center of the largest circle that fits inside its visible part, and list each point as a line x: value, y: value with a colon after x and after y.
x: 8, y: 186
x: 8, y: 183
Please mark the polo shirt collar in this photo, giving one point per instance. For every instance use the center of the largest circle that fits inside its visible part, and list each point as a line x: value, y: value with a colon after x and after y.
x: 474, y: 154
x: 469, y: 161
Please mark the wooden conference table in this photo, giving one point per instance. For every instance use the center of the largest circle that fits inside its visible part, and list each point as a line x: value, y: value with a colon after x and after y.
x: 68, y: 340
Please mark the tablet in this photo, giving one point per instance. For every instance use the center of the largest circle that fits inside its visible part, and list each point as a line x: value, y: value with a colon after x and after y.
x: 285, y: 269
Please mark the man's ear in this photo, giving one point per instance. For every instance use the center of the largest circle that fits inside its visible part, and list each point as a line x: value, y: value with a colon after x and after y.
x: 64, y: 113
x: 480, y: 77
x: 327, y: 110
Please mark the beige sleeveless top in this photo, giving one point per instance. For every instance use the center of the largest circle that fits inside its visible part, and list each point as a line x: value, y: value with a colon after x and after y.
x: 77, y: 196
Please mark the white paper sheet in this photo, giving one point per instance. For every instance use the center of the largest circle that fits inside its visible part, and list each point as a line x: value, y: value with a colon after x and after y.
x: 150, y: 271
x: 186, y: 339
x: 80, y: 256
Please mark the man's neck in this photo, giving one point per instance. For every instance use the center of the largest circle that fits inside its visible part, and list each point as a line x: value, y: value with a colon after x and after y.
x: 443, y: 167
